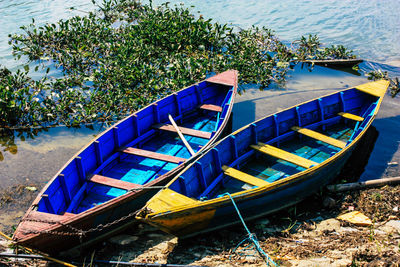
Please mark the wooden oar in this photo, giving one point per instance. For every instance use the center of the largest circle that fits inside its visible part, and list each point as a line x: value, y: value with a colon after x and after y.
x: 181, y: 135
x: 365, y: 184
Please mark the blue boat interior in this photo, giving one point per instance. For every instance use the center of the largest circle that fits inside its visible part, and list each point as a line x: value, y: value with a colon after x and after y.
x: 278, y: 146
x: 139, y: 149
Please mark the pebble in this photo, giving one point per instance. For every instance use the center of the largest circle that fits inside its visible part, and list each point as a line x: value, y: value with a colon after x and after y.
x: 31, y: 188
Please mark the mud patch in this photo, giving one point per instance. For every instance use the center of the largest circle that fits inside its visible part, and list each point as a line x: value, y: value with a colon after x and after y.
x: 13, y: 203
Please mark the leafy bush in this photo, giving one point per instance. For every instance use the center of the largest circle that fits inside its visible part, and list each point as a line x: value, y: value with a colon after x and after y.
x: 126, y: 55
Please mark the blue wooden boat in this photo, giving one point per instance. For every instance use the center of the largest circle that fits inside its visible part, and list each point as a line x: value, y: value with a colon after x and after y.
x: 267, y: 165
x: 99, y: 190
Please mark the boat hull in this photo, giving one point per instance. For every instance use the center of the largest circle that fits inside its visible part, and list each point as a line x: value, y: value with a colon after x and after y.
x: 224, y: 214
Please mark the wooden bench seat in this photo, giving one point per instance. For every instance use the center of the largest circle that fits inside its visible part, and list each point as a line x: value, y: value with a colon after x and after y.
x: 244, y: 177
x: 351, y: 116
x: 319, y: 136
x: 99, y: 179
x: 184, y: 130
x: 211, y: 107
x: 284, y: 155
x: 152, y: 155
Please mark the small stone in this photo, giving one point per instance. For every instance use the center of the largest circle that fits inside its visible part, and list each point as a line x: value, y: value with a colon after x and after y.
x: 123, y: 240
x: 31, y: 188
x: 395, y: 224
x: 328, y: 225
x: 396, y: 209
x: 393, y: 163
x: 350, y: 208
x: 251, y: 259
x: 329, y: 202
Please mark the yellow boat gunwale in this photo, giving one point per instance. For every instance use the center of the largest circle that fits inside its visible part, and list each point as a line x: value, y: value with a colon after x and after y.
x: 207, y: 204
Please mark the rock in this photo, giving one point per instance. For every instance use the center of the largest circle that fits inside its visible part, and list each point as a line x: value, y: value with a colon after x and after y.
x: 31, y: 188
x: 158, y: 251
x: 392, y: 226
x: 328, y: 225
x: 356, y: 217
x: 379, y: 232
x: 251, y: 259
x: 168, y: 246
x: 396, y: 209
x: 311, y: 262
x: 123, y: 240
x: 329, y: 202
x: 348, y: 229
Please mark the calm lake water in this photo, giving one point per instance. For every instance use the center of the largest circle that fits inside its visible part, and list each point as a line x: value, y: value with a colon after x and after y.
x: 370, y: 27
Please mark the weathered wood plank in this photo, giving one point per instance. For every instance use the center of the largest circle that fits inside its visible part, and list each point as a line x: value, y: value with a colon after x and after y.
x: 351, y: 116
x: 319, y: 136
x: 284, y: 155
x: 242, y: 176
x: 99, y: 179
x: 152, y: 155
x: 211, y: 107
x: 186, y: 131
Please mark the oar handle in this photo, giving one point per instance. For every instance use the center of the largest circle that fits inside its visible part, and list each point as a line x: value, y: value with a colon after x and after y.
x: 181, y: 135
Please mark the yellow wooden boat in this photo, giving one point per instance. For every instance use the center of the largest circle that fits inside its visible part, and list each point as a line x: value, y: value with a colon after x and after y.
x: 267, y: 165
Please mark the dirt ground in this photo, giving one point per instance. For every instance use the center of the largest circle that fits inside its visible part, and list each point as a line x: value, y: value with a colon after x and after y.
x: 304, y: 235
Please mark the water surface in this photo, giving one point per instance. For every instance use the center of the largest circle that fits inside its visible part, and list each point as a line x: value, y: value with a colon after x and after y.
x: 370, y: 27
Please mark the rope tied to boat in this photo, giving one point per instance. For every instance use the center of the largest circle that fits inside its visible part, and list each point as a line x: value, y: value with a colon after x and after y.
x: 251, y: 237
